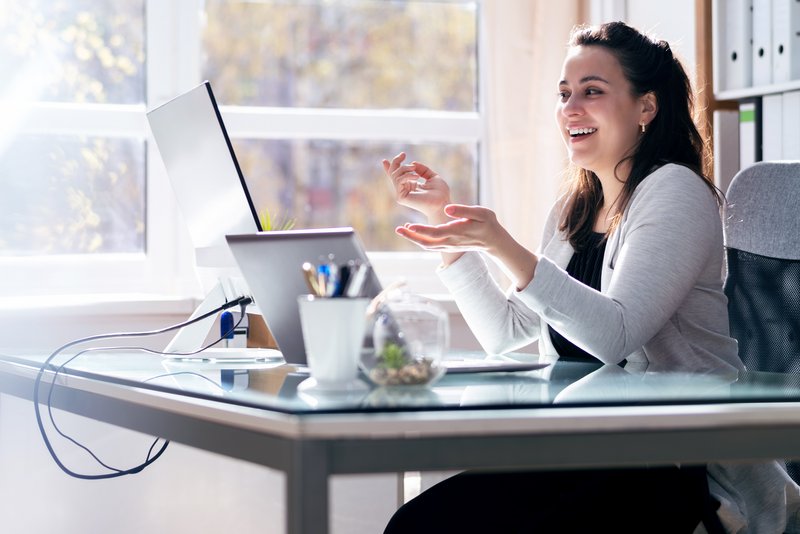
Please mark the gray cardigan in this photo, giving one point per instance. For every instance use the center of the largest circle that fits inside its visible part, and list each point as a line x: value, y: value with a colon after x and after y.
x: 660, y: 306
x: 661, y: 301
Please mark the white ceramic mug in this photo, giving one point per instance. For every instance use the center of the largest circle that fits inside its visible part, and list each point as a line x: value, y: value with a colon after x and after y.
x: 333, y: 333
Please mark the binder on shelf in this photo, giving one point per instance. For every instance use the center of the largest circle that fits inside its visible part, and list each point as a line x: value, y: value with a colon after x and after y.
x: 785, y: 40
x: 733, y: 42
x: 772, y: 127
x: 791, y: 125
x: 749, y: 133
x: 762, y: 42
x: 726, y: 147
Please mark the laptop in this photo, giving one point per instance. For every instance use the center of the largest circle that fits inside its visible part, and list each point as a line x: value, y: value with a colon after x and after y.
x: 271, y: 263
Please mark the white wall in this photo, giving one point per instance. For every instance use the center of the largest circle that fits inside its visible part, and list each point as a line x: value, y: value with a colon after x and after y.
x: 186, y: 490
x: 672, y: 21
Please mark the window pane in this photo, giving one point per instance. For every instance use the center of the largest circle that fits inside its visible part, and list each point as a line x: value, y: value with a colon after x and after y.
x: 73, y: 51
x: 71, y: 195
x: 355, y: 54
x: 322, y: 183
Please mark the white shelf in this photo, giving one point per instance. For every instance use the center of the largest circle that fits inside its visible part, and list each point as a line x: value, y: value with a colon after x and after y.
x: 747, y: 92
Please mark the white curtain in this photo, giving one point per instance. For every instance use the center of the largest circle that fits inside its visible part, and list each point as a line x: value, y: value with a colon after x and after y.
x: 526, y: 44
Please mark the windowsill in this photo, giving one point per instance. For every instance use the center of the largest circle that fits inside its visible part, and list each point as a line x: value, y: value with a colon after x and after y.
x: 111, y: 304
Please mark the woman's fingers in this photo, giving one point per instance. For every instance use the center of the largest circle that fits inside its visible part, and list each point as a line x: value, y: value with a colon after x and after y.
x: 438, y: 231
x: 401, y: 173
x: 420, y: 238
x: 397, y: 160
x: 441, y: 244
x: 405, y: 180
x: 405, y: 186
x: 423, y: 170
x: 402, y: 170
x: 460, y: 211
x: 469, y: 229
x: 452, y: 233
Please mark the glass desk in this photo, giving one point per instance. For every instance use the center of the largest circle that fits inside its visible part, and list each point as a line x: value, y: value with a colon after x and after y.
x: 565, y: 415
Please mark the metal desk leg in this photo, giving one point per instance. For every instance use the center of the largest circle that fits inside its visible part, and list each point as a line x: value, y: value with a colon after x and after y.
x: 307, y: 490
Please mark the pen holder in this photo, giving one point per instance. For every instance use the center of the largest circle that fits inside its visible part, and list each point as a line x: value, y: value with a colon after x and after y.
x: 333, y: 333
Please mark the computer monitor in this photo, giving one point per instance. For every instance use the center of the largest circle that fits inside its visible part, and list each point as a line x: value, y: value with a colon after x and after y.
x: 202, y: 167
x: 211, y: 193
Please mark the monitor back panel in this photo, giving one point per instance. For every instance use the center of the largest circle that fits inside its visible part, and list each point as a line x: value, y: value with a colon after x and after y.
x: 202, y: 167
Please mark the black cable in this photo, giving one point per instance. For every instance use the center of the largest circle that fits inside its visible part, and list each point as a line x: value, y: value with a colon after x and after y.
x: 106, y: 349
x: 243, y: 302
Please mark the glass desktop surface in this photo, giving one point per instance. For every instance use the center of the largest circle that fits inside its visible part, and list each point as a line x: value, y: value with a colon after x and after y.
x: 273, y: 385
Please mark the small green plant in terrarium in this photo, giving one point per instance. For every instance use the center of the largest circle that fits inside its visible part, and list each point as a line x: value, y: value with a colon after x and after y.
x: 270, y: 223
x: 395, y: 367
x: 393, y: 356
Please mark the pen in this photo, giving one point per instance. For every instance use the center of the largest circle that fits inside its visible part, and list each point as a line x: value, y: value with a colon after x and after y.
x: 329, y: 279
x: 357, y: 280
x: 344, y: 278
x: 310, y: 275
x: 333, y: 277
x: 322, y: 279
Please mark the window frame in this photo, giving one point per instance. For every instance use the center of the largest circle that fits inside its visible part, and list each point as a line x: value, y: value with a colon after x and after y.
x: 173, y: 52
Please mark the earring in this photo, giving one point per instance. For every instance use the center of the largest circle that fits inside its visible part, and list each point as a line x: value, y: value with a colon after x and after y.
x: 643, y: 127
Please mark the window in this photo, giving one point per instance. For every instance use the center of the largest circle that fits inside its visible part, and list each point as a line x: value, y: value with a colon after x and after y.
x: 314, y: 95
x: 73, y: 195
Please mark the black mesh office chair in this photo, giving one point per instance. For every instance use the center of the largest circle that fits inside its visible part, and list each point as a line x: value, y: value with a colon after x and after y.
x: 762, y: 241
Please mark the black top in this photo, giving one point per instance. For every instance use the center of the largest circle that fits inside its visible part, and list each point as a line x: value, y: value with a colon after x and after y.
x: 586, y: 266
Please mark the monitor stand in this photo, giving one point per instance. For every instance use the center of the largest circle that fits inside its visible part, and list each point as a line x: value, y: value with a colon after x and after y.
x: 189, y: 339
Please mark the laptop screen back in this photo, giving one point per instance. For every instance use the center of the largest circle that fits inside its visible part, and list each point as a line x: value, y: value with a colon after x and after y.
x: 271, y: 263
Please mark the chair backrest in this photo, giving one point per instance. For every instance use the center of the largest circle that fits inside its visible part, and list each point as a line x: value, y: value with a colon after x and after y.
x: 762, y: 239
x: 763, y: 211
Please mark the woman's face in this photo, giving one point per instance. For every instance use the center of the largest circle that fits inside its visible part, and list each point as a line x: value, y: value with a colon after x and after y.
x: 597, y: 113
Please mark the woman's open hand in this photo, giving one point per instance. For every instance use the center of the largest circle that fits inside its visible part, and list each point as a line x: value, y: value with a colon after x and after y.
x: 474, y: 228
x: 418, y: 187
x: 469, y: 228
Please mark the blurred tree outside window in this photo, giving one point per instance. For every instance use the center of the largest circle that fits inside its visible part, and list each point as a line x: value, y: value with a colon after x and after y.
x: 77, y: 173
x: 343, y: 54
x: 356, y: 54
x: 324, y: 183
x: 71, y: 194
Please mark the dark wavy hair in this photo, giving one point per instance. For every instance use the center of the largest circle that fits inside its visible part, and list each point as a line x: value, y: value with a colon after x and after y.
x: 671, y: 137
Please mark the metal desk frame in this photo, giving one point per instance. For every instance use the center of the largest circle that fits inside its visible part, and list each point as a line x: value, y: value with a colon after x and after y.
x: 310, y: 448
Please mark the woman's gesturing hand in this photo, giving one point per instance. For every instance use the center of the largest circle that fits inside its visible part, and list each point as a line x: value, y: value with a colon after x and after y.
x: 469, y: 228
x: 474, y: 228
x: 418, y: 187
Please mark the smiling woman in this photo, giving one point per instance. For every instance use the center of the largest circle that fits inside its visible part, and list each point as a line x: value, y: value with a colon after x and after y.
x: 619, y: 278
x: 594, y: 91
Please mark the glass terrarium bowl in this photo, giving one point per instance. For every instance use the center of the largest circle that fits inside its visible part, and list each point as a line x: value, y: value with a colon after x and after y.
x: 410, y: 336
